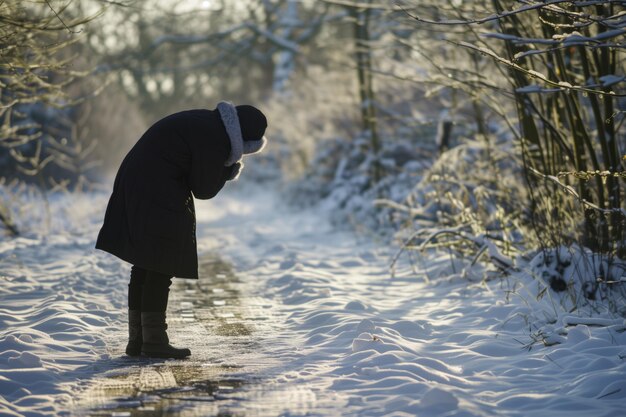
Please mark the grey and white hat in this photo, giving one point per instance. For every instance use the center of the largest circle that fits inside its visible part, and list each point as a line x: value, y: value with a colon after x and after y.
x: 245, y: 126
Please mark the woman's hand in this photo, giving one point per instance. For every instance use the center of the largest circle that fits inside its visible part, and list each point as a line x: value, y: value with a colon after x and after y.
x: 235, y: 170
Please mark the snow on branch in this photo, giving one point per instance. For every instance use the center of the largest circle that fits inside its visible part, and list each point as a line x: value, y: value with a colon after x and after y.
x: 536, y: 74
x: 570, y: 190
x: 548, y: 5
x: 482, y: 242
x: 570, y: 39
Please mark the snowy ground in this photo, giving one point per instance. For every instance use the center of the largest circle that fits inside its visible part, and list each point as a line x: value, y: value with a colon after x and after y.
x: 318, y: 328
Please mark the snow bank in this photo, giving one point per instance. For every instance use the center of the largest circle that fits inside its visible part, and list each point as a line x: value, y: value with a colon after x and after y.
x: 60, y: 302
x: 402, y: 346
x: 364, y: 342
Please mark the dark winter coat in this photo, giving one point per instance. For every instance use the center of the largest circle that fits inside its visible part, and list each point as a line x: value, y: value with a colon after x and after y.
x: 150, y: 219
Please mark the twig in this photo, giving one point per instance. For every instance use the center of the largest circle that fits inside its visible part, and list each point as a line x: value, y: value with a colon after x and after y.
x: 500, y: 16
x: 570, y: 190
x: 535, y: 74
x: 61, y: 20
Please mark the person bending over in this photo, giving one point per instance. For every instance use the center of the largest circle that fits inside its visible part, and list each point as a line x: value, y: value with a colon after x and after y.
x: 150, y: 218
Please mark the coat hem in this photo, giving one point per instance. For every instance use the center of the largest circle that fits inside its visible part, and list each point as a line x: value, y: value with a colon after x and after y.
x: 141, y: 265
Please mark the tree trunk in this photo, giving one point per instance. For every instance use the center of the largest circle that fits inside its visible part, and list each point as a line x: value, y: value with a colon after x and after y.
x: 363, y: 55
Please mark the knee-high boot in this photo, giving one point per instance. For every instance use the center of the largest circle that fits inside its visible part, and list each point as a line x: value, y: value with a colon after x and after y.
x: 135, y: 290
x: 156, y: 343
x: 135, y: 337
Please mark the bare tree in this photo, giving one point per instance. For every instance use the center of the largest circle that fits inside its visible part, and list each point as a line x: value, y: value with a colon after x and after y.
x: 186, y: 57
x: 34, y: 73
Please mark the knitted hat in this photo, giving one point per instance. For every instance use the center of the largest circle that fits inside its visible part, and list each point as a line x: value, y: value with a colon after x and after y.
x: 245, y: 126
x: 253, y: 123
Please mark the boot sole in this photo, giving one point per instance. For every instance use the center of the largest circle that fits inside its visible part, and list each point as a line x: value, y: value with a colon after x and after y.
x: 164, y: 355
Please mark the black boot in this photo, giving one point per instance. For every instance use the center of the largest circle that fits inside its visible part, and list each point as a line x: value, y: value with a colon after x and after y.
x: 156, y: 344
x: 135, y: 338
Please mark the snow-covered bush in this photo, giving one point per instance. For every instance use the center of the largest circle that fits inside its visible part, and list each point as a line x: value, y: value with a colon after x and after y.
x: 558, y: 81
x: 339, y: 178
x: 36, y: 140
x: 472, y: 202
x: 580, y: 277
x: 561, y: 292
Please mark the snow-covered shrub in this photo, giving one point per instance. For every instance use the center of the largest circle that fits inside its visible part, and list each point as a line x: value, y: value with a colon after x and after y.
x: 59, y: 152
x: 33, y: 211
x: 571, y: 139
x: 472, y: 202
x: 552, y: 76
x: 339, y: 178
x: 562, y: 291
x: 580, y: 277
x: 37, y: 69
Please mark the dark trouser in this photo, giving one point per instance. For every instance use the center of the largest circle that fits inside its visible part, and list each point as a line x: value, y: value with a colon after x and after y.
x: 148, y: 290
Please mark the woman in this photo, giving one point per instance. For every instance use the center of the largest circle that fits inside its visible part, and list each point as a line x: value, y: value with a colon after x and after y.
x: 150, y: 217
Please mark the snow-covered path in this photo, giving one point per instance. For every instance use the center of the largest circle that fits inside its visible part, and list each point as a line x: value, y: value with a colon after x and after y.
x: 295, y: 318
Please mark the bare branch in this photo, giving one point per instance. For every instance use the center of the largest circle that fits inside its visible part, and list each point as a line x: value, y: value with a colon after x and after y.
x: 560, y: 85
x: 499, y: 16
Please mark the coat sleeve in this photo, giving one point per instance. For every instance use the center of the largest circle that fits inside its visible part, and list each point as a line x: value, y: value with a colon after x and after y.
x: 209, y: 150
